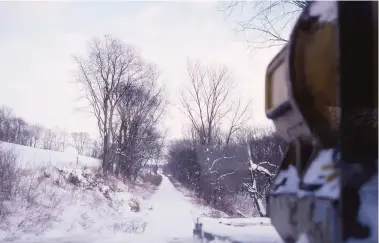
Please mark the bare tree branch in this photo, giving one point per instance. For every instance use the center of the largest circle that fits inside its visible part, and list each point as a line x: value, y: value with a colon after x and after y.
x: 207, y: 102
x: 269, y: 20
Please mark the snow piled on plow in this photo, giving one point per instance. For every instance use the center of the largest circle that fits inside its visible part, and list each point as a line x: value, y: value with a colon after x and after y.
x: 244, y: 230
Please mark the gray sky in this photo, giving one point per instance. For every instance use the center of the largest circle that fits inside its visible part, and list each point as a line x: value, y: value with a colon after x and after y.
x: 38, y: 40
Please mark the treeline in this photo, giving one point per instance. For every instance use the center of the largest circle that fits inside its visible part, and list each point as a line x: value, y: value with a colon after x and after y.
x: 14, y: 129
x: 228, y: 165
x: 123, y: 94
x: 225, y: 176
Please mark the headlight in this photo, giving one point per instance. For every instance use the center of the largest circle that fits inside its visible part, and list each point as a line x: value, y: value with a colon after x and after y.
x: 280, y: 106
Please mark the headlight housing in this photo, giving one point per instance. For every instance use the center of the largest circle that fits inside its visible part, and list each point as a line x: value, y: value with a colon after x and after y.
x: 302, y: 80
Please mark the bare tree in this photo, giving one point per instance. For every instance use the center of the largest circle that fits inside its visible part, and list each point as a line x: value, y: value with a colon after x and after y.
x: 207, y: 102
x: 183, y: 164
x: 61, y: 139
x: 81, y: 141
x: 139, y: 114
x: 95, y: 149
x: 254, y: 169
x: 8, y: 175
x: 15, y: 129
x: 20, y: 135
x: 49, y: 138
x: 109, y: 70
x: 36, y: 133
x: 271, y: 21
x: 239, y: 119
x: 6, y: 116
x: 265, y: 153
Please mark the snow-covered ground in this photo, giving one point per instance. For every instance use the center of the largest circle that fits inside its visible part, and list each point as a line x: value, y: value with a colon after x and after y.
x: 172, y: 217
x: 35, y: 157
x: 252, y: 230
x: 62, y: 198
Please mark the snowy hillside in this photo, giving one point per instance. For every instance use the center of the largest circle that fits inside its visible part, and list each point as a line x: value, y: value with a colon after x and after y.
x: 61, y: 197
x: 35, y: 157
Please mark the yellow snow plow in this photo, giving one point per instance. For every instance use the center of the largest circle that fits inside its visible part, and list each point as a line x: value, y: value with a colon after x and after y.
x: 321, y: 94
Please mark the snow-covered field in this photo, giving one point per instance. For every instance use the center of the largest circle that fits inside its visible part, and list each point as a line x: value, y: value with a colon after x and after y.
x: 35, y: 157
x: 62, y: 198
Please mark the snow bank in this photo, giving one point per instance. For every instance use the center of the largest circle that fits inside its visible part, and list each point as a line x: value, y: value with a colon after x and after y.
x: 73, y: 203
x: 33, y: 157
x: 61, y: 197
x: 368, y: 210
x: 242, y: 221
x: 252, y: 230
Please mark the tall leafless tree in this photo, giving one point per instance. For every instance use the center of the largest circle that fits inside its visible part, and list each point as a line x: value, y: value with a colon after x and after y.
x: 139, y: 114
x: 105, y: 74
x: 208, y: 102
x: 239, y: 118
x: 270, y: 21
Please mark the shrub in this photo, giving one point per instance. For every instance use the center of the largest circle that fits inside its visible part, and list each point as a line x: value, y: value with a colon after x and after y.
x: 133, y: 226
x: 134, y: 205
x: 8, y: 175
x: 73, y: 179
x: 155, y: 180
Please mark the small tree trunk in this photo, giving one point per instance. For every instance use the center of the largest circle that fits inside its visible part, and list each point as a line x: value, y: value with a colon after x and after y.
x: 257, y: 201
x: 253, y: 190
x: 106, y: 153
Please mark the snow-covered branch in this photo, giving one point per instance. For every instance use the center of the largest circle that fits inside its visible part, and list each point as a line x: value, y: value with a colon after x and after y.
x: 267, y: 163
x: 260, y: 169
x: 251, y: 189
x: 230, y: 173
x: 216, y: 160
x: 242, y: 214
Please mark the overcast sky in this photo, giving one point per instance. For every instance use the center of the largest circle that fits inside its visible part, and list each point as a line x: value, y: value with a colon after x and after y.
x: 38, y: 40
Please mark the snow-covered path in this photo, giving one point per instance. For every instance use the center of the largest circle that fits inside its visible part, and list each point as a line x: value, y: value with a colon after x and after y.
x: 172, y: 217
x: 62, y: 212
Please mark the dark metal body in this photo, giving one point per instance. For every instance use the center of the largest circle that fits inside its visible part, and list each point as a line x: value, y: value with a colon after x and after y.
x: 328, y: 219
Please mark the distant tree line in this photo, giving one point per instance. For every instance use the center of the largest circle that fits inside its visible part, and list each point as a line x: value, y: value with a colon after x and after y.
x: 14, y: 129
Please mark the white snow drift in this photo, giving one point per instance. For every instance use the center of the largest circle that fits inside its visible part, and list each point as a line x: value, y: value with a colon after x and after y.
x: 63, y: 198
